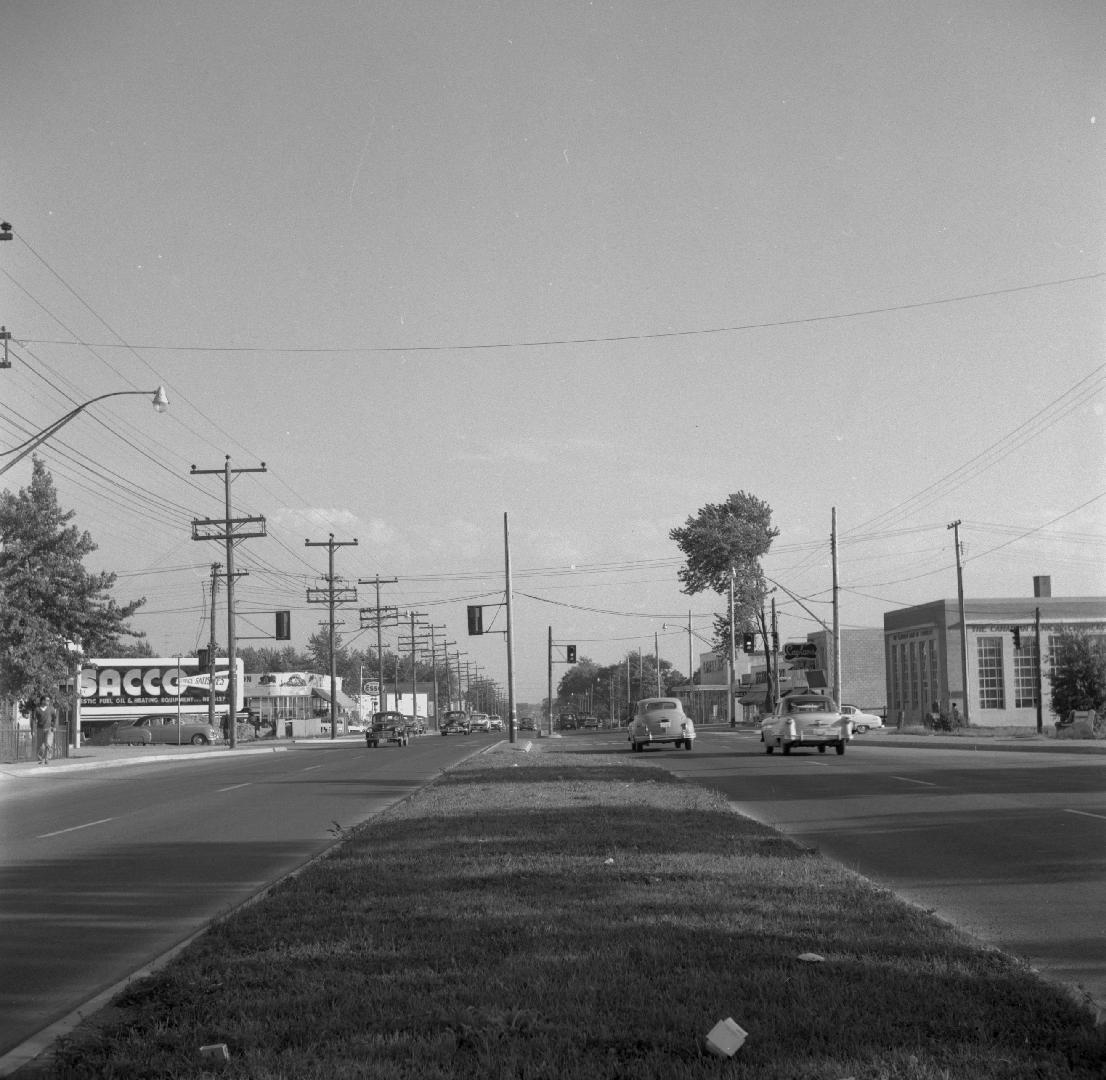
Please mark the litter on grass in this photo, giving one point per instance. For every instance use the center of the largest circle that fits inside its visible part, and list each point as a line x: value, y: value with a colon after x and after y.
x: 726, y: 1038
x: 811, y: 958
x: 215, y: 1052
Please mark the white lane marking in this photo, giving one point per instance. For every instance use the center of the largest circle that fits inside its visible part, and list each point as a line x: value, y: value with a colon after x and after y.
x: 1086, y: 813
x: 908, y: 780
x: 310, y: 767
x: 74, y: 828
x: 233, y: 787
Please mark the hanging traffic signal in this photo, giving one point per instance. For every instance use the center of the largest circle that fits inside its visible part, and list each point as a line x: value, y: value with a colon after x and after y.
x: 203, y: 659
x: 1017, y: 632
x: 749, y: 642
x: 284, y: 626
x: 476, y: 620
x: 570, y: 653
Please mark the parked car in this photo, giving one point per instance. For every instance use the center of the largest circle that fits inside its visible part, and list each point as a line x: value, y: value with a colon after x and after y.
x: 658, y: 721
x: 455, y: 722
x: 805, y: 719
x: 861, y: 721
x: 117, y: 733
x: 527, y: 724
x: 166, y: 731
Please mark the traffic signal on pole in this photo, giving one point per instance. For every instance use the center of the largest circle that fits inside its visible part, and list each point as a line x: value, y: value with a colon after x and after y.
x: 1017, y: 637
x: 203, y: 659
x: 749, y: 642
x: 476, y: 620
x: 775, y: 641
x: 284, y: 626
x: 570, y: 653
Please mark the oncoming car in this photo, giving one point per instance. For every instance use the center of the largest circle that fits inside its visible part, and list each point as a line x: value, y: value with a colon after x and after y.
x: 455, y: 722
x: 806, y: 719
x: 658, y: 721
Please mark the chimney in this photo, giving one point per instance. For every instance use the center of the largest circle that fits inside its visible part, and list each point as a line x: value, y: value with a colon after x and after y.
x: 1042, y: 585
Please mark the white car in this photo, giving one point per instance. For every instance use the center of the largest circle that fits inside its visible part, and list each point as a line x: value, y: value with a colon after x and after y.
x: 658, y: 721
x: 806, y: 719
x: 861, y: 721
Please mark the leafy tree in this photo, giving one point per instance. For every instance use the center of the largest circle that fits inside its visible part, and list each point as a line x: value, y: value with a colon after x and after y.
x: 48, y: 596
x: 727, y: 540
x: 1078, y: 674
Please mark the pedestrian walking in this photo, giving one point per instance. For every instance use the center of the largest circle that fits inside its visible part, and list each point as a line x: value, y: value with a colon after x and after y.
x: 955, y: 721
x: 46, y: 720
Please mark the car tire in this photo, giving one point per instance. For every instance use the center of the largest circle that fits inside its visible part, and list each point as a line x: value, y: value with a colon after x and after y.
x: 768, y: 748
x: 687, y: 744
x: 861, y: 728
x: 821, y: 748
x: 199, y: 740
x: 840, y: 747
x: 786, y: 747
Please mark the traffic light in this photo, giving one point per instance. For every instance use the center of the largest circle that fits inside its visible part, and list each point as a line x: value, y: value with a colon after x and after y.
x: 749, y: 642
x: 284, y: 626
x: 775, y: 641
x: 1017, y: 632
x: 476, y: 620
x: 203, y: 659
x: 570, y: 653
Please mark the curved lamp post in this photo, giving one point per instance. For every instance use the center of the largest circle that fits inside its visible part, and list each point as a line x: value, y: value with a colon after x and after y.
x: 160, y: 403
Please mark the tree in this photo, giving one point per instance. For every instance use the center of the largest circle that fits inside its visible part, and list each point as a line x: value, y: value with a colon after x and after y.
x: 727, y: 541
x: 1078, y: 675
x: 48, y: 597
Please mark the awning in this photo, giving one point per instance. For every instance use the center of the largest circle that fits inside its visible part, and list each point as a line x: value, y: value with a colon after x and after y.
x: 343, y: 701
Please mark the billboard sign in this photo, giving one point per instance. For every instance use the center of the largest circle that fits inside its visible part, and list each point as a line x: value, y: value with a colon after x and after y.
x: 135, y: 686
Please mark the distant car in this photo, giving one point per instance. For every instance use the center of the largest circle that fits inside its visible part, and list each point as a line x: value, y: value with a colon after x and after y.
x: 455, y: 722
x: 861, y: 721
x: 659, y: 721
x: 388, y: 727
x: 497, y: 723
x: 355, y: 727
x: 118, y: 733
x: 165, y: 730
x: 527, y: 724
x: 480, y: 721
x: 805, y: 719
x: 591, y: 723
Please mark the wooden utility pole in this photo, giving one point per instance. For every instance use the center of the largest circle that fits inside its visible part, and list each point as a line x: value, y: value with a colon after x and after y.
x: 232, y: 530
x: 955, y: 526
x: 332, y: 595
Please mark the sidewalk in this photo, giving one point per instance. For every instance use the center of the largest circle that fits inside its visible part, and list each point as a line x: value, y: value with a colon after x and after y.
x: 106, y: 757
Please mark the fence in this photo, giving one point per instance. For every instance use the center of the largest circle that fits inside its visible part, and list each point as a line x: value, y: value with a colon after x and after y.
x: 18, y: 744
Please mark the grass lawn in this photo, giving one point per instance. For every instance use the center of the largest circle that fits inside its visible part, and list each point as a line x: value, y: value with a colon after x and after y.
x: 567, y: 915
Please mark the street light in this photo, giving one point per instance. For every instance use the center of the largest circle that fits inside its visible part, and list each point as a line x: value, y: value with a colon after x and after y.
x: 160, y: 403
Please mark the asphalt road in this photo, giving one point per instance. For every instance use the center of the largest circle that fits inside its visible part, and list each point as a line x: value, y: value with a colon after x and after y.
x: 106, y: 870
x: 1009, y: 846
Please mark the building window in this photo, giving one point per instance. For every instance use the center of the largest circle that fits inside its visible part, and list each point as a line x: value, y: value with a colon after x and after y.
x: 934, y: 671
x: 992, y: 692
x: 1026, y: 688
x: 913, y: 674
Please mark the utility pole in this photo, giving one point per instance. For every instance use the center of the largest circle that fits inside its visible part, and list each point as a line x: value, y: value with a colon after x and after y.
x: 215, y: 568
x: 231, y: 530
x: 549, y: 660
x: 379, y: 640
x: 512, y: 711
x: 657, y: 660
x: 331, y: 596
x: 731, y: 660
x: 836, y: 612
x: 414, y: 663
x: 955, y: 526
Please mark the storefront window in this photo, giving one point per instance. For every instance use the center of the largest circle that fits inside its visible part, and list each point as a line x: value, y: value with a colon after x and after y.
x: 992, y: 690
x: 1026, y: 688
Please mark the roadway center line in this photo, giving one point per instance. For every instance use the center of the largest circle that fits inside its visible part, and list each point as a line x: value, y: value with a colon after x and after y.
x: 908, y: 780
x: 233, y: 787
x: 1086, y: 813
x: 310, y: 767
x: 74, y: 828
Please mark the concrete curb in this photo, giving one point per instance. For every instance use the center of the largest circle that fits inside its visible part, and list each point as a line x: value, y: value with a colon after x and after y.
x: 30, y: 770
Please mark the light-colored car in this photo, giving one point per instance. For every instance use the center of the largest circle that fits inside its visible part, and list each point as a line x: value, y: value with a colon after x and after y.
x: 591, y: 723
x: 659, y: 721
x: 805, y: 719
x: 480, y: 721
x: 861, y: 721
x: 165, y: 730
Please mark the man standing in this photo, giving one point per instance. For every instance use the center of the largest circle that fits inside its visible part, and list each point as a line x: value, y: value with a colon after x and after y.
x: 45, y: 723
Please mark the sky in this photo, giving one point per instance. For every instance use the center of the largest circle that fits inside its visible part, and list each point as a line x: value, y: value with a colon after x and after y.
x: 580, y: 268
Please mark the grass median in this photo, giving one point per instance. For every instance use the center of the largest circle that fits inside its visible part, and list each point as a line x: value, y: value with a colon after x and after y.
x: 560, y: 914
